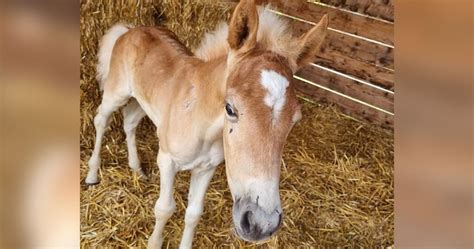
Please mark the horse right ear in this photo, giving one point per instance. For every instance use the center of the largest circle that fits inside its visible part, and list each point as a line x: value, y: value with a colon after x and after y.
x: 243, y: 26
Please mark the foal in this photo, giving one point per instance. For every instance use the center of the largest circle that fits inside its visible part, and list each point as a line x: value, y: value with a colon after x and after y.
x: 233, y: 100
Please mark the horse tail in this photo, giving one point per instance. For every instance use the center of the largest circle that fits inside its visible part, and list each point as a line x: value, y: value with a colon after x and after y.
x: 105, y: 51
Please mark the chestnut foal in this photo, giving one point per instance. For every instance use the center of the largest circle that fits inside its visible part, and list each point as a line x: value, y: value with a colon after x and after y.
x: 232, y: 100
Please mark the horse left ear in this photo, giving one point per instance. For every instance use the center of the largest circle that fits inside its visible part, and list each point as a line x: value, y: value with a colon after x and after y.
x: 243, y: 26
x: 309, y: 43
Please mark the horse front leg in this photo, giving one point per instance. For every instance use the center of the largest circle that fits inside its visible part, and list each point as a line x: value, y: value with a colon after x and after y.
x: 200, y: 180
x: 165, y: 205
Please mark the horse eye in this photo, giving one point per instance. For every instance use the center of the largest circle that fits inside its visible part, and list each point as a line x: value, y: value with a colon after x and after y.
x: 229, y: 110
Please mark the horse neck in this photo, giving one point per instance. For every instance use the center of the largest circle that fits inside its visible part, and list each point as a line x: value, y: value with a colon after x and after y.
x: 213, y: 75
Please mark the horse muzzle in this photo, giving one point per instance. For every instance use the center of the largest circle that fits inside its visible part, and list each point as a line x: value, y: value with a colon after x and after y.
x: 254, y: 223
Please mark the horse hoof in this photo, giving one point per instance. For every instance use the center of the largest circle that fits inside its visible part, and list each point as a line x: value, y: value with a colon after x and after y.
x: 91, y: 180
x: 92, y: 183
x: 141, y: 174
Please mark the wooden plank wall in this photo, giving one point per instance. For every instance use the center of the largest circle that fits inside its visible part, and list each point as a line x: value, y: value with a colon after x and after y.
x: 382, y: 9
x: 355, y: 67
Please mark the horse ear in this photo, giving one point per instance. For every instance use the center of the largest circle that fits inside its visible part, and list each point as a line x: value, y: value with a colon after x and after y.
x: 309, y: 43
x: 243, y: 26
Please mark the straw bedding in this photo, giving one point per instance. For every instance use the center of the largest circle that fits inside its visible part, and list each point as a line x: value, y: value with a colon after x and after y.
x: 337, y: 172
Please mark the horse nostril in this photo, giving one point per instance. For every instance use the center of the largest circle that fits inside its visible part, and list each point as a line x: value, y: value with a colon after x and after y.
x: 245, y: 223
x: 279, y: 220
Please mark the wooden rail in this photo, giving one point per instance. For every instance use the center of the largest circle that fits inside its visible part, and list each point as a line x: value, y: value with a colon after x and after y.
x: 349, y: 87
x: 349, y: 106
x: 382, y: 9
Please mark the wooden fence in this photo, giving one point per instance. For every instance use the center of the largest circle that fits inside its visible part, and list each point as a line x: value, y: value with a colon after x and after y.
x: 355, y: 68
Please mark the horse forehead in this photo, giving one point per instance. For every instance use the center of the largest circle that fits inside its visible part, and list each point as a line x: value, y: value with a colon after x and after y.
x: 275, y: 84
x: 264, y: 78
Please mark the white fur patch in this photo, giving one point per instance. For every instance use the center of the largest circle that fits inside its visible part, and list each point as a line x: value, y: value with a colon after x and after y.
x: 276, y: 85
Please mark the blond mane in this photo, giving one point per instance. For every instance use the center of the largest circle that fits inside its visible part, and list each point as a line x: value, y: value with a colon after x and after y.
x: 274, y: 34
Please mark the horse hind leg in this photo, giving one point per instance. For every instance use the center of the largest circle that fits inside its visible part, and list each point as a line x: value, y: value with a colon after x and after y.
x: 132, y: 115
x: 111, y: 101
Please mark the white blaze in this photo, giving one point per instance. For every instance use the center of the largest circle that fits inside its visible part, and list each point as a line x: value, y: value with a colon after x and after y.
x: 276, y: 85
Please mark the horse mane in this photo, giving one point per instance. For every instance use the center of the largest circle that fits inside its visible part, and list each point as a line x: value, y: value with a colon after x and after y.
x: 273, y: 34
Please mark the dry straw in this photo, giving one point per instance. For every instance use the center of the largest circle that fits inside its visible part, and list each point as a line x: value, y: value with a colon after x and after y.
x: 337, y: 173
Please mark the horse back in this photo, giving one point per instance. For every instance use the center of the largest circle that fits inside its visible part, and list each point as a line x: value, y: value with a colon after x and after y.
x: 154, y: 57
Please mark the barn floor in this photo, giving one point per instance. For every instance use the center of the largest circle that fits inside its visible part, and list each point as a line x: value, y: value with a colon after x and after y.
x: 337, y: 176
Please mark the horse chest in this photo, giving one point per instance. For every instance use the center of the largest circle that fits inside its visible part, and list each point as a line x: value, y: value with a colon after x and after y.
x: 207, y: 156
x: 203, y: 149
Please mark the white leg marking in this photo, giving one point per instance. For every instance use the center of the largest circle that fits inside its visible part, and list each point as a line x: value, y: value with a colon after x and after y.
x: 132, y: 115
x: 101, y: 122
x: 200, y: 180
x: 165, y: 205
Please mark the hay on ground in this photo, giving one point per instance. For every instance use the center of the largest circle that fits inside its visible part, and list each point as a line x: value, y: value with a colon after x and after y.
x: 337, y: 173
